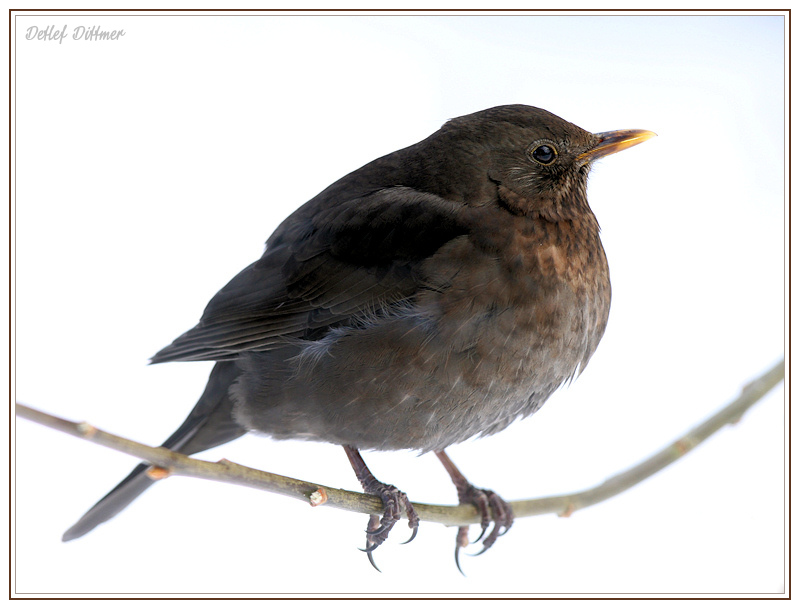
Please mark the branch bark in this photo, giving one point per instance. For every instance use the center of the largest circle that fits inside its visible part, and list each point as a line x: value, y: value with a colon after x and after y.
x: 318, y: 494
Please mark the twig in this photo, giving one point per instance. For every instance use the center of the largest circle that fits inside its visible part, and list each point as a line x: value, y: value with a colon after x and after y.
x: 564, y: 505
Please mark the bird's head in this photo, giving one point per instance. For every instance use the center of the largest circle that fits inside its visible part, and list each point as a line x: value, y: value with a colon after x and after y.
x: 537, y: 162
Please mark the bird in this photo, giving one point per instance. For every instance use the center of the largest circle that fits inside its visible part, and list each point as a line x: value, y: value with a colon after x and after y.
x: 436, y: 294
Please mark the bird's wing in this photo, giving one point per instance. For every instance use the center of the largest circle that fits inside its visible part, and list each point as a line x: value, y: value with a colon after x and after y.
x: 322, y: 267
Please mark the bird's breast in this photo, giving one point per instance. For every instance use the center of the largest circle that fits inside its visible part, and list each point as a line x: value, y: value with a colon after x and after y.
x: 496, y: 329
x: 532, y: 311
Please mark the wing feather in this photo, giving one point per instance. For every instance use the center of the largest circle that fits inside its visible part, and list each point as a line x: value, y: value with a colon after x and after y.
x: 323, y: 270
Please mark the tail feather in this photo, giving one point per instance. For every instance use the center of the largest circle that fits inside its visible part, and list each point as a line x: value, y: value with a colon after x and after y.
x: 112, y: 504
x: 209, y: 424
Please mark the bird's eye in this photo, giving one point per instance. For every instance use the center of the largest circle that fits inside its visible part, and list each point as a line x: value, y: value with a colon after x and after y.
x: 544, y: 154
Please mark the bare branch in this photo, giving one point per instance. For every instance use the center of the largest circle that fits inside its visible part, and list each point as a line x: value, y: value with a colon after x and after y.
x: 317, y: 494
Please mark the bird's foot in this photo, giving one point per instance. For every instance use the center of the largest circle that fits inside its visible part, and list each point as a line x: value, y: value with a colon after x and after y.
x: 492, y: 508
x: 395, y: 502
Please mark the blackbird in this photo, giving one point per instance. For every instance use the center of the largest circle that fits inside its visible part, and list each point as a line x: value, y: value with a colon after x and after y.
x: 438, y: 293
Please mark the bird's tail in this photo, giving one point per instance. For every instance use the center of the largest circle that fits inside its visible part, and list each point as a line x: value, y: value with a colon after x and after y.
x: 209, y: 424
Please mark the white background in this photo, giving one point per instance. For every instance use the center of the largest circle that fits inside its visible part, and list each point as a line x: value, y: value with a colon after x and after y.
x: 151, y: 169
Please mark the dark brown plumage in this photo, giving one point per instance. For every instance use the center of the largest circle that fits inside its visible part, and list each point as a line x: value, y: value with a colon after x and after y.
x: 436, y: 294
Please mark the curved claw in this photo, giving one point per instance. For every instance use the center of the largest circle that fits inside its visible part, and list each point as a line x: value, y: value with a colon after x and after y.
x: 458, y: 563
x: 372, y: 561
x: 482, y: 551
x: 413, y: 535
x: 493, y: 536
x: 484, y: 528
x: 369, y: 549
x: 462, y: 541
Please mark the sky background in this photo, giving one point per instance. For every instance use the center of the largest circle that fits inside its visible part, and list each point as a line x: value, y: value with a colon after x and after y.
x: 151, y: 169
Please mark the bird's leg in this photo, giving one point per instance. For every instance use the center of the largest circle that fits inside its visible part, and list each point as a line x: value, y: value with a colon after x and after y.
x: 394, y: 502
x: 489, y: 504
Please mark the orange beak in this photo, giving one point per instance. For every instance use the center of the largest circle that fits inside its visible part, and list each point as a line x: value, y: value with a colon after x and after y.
x: 610, y: 142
